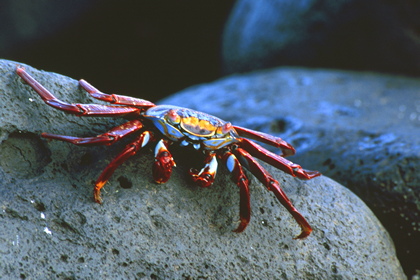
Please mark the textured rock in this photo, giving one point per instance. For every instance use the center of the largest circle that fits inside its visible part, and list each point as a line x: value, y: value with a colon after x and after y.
x: 52, y: 229
x: 361, y: 129
x: 349, y: 34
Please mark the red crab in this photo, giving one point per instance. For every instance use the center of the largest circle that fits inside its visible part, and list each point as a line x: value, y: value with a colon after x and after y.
x: 166, y: 125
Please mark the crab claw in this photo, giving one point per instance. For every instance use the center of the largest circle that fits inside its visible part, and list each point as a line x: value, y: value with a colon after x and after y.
x: 162, y: 167
x: 205, y: 177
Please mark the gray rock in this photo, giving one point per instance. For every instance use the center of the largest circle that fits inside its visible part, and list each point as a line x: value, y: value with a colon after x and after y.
x: 349, y: 34
x: 52, y: 229
x: 361, y: 129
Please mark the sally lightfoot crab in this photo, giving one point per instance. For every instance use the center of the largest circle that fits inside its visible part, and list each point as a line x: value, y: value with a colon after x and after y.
x: 167, y: 125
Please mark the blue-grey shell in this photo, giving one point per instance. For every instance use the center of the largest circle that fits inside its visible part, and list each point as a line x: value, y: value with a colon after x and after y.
x: 176, y: 133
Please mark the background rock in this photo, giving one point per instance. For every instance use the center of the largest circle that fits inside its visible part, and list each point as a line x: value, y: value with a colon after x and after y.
x: 129, y: 46
x: 375, y: 35
x: 52, y: 229
x: 361, y: 129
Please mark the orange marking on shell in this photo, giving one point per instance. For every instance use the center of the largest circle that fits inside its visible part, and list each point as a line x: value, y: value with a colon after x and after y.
x: 198, y: 127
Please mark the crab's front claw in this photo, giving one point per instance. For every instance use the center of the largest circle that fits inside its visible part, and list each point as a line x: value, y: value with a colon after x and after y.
x: 205, y: 177
x: 162, y: 167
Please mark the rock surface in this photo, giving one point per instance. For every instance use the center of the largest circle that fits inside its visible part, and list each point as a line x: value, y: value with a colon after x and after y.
x: 361, y: 129
x: 52, y: 229
x: 350, y: 34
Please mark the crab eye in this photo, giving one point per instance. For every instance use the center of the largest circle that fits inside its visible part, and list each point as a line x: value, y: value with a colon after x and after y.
x: 224, y: 128
x: 172, y: 116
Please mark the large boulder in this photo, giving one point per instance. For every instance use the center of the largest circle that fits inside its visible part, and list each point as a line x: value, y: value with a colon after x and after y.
x: 51, y: 228
x: 349, y: 34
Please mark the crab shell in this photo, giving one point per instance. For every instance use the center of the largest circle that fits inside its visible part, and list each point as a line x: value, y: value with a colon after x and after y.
x: 199, y: 129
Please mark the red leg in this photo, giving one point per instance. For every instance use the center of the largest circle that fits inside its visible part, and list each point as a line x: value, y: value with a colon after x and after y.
x: 286, y: 148
x: 108, y: 138
x: 162, y: 167
x: 239, y: 177
x: 76, y: 109
x: 114, y: 98
x: 274, y: 186
x: 277, y: 161
x: 205, y: 177
x: 129, y: 151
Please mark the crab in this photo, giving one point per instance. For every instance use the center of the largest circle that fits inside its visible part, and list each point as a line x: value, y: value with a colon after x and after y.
x: 167, y: 125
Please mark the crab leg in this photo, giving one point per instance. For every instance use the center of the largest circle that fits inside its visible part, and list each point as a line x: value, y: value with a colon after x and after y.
x: 76, y: 109
x: 205, y: 177
x: 239, y: 177
x: 273, y: 185
x: 129, y: 151
x: 277, y: 161
x: 114, y: 98
x: 162, y: 167
x: 286, y: 148
x: 108, y: 138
